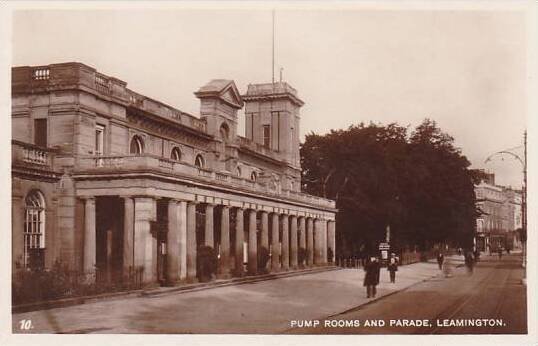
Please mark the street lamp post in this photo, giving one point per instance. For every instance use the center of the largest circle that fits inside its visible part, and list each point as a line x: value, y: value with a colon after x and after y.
x: 524, y: 198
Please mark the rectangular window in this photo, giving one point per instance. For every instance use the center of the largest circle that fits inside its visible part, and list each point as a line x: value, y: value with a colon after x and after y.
x: 99, y: 139
x: 40, y: 132
x: 275, y: 119
x: 267, y: 136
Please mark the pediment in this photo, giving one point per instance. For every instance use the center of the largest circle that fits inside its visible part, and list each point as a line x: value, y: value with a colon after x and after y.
x: 232, y: 96
x: 224, y: 89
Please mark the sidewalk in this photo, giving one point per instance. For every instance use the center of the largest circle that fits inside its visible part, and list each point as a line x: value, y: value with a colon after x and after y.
x: 255, y: 307
x: 157, y: 291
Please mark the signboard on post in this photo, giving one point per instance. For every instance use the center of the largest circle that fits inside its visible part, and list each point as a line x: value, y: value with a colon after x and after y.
x: 384, y: 249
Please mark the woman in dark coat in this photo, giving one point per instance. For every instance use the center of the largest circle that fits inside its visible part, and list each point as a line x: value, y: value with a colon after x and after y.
x: 371, y: 277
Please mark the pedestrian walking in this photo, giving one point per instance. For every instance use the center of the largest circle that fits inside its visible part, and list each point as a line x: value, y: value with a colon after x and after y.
x: 393, y: 267
x: 440, y: 260
x: 371, y: 277
x: 469, y: 262
x: 500, y: 252
x: 476, y: 255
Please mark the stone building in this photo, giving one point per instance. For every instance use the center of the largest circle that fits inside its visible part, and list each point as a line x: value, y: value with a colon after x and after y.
x: 500, y: 217
x: 109, y: 180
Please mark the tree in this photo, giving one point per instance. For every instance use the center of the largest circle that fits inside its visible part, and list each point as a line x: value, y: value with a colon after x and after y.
x: 419, y: 184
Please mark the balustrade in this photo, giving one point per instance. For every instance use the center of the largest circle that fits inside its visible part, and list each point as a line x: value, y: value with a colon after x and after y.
x: 29, y: 153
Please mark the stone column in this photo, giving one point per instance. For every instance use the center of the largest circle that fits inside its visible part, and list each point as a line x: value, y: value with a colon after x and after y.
x: 172, y: 242
x: 208, y: 241
x: 143, y: 239
x: 302, y: 237
x: 224, y: 269
x: 182, y: 221
x: 310, y: 241
x: 265, y: 230
x: 285, y: 243
x: 252, y: 243
x: 275, y: 244
x: 293, y: 242
x: 239, y: 238
x: 89, y: 235
x: 18, y: 215
x: 191, y: 241
x: 331, y: 233
x: 128, y: 235
x: 318, y: 250
x: 324, y: 241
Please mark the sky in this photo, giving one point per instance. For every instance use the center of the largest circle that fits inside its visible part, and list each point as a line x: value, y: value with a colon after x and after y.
x: 467, y: 70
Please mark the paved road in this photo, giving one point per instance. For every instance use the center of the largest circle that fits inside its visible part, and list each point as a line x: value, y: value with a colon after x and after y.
x: 493, y: 292
x: 270, y: 307
x: 263, y: 307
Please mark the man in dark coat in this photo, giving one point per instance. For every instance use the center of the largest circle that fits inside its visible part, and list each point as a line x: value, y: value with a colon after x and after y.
x: 469, y: 262
x: 392, y: 267
x: 371, y: 277
x: 440, y: 260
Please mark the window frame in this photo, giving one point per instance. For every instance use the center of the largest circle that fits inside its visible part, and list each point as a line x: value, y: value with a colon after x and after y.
x: 41, y: 132
x: 176, y: 150
x: 266, y: 135
x: 99, y: 148
x: 34, y: 230
x: 199, y: 158
x: 139, y: 142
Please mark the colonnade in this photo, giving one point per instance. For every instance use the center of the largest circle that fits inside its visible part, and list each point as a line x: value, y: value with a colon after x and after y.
x: 281, y: 232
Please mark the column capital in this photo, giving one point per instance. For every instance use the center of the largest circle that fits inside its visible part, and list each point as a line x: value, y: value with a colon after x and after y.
x: 143, y: 197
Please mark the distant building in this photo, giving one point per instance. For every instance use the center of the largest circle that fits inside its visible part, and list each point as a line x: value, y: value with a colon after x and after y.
x: 501, y: 215
x: 109, y: 180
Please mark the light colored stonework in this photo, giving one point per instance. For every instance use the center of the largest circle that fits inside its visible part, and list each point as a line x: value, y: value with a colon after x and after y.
x: 128, y: 180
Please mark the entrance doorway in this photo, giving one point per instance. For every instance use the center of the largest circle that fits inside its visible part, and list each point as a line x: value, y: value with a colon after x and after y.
x: 160, y: 232
x: 109, y: 239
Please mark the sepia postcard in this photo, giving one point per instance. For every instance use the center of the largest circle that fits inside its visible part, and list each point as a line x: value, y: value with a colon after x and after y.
x: 356, y: 172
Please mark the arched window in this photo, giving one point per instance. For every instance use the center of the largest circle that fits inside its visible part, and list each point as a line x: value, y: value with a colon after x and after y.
x: 224, y: 131
x: 137, y: 145
x: 34, y: 230
x: 238, y: 171
x: 253, y: 176
x: 176, y: 154
x: 199, y: 162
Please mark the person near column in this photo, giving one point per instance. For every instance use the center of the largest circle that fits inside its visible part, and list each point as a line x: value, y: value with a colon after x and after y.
x: 440, y: 260
x: 393, y: 267
x: 371, y: 276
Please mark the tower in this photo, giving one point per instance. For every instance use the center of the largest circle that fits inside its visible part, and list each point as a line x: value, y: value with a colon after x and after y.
x: 219, y: 102
x: 272, y: 119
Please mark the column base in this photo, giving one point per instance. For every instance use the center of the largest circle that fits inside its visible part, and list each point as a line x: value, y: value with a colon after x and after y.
x: 224, y: 276
x: 191, y: 280
x: 238, y: 274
